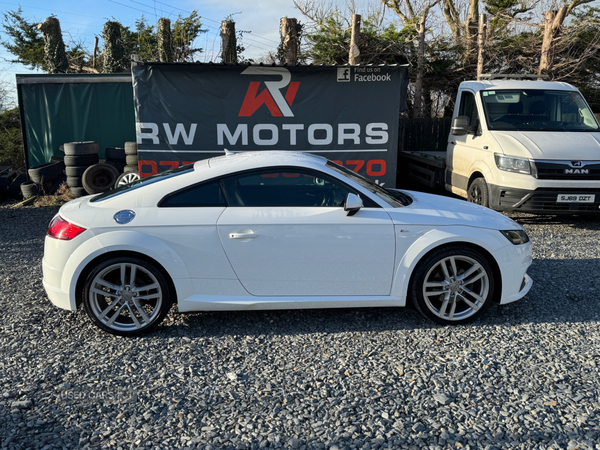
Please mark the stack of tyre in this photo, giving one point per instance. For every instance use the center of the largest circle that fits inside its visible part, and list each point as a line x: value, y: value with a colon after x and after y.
x: 79, y: 156
x: 44, y: 179
x: 131, y: 157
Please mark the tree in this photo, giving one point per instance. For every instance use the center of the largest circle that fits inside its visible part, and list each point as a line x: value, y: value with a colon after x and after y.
x: 143, y: 40
x: 55, y: 54
x: 165, y: 47
x: 228, y: 42
x: 114, y: 57
x: 184, y: 32
x: 11, y: 140
x: 25, y: 42
x: 553, y: 24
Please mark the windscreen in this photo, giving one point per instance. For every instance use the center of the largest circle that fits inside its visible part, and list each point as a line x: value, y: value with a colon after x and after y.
x: 537, y: 110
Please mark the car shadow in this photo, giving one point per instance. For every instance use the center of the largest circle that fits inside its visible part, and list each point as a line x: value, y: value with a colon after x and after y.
x: 549, y: 301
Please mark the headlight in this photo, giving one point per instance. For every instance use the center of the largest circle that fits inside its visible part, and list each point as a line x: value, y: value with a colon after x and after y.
x: 512, y: 164
x: 517, y: 237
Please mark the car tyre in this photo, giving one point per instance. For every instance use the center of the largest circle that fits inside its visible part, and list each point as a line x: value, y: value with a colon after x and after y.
x: 99, y: 178
x: 131, y: 169
x: 132, y: 160
x: 29, y: 189
x: 478, y: 192
x: 126, y: 178
x: 452, y: 285
x: 126, y: 296
x: 81, y: 148
x: 74, y: 182
x: 77, y: 192
x: 131, y: 148
x: 47, y: 172
x: 75, y: 171
x: 81, y: 160
x: 114, y: 153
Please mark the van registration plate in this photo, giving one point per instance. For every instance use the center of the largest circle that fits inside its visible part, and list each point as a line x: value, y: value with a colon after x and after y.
x: 575, y: 198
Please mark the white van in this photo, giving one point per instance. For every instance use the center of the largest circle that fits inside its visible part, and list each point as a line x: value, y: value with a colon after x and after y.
x: 518, y: 145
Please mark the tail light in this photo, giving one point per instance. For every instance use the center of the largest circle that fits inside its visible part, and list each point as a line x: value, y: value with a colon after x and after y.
x: 60, y: 229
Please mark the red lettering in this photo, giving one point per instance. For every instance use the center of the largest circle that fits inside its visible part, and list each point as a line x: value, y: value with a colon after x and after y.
x: 145, y: 163
x: 173, y: 164
x: 371, y: 172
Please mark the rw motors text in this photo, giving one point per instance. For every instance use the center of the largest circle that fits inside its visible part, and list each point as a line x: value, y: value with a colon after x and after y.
x: 375, y: 133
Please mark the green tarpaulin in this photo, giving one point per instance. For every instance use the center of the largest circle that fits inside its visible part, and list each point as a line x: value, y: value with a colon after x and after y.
x: 71, y: 108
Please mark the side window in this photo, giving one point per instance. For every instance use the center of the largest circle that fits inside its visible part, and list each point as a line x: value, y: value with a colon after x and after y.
x: 201, y: 195
x: 468, y: 108
x: 281, y: 187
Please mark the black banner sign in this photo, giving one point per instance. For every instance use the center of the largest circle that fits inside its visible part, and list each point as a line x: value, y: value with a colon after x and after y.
x: 187, y: 112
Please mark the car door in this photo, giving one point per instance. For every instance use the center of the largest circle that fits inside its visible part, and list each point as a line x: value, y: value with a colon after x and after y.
x: 465, y: 150
x: 286, y: 233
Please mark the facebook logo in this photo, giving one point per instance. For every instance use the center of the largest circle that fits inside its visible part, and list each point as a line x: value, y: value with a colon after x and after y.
x: 343, y: 75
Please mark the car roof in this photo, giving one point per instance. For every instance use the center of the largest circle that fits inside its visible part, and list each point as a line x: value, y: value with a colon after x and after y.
x: 214, y: 167
x: 516, y: 84
x: 264, y: 158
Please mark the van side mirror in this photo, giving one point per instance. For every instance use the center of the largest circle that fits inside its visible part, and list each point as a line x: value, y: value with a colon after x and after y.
x: 460, y: 126
x: 352, y: 204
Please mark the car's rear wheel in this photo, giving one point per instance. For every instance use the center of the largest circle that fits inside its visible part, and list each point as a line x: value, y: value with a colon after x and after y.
x: 452, y: 285
x: 126, y: 296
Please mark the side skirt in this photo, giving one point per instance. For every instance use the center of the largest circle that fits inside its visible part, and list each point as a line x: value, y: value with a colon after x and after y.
x: 239, y: 303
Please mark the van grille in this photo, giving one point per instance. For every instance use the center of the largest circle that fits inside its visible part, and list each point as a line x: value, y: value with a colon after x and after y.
x: 564, y: 170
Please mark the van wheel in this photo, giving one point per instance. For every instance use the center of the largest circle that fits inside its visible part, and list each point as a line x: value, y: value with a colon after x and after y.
x: 478, y: 192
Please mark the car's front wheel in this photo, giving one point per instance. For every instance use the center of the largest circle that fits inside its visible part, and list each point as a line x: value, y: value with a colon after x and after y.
x: 126, y: 296
x: 452, y: 285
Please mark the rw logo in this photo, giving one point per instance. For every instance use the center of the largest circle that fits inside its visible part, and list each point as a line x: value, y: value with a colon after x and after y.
x: 272, y: 96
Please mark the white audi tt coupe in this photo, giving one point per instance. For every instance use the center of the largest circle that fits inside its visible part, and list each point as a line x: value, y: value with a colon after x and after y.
x: 277, y: 230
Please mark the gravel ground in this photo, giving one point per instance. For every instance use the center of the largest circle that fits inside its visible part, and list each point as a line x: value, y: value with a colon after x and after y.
x: 524, y: 376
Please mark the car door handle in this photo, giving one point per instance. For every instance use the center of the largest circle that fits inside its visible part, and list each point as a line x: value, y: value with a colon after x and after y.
x: 244, y: 235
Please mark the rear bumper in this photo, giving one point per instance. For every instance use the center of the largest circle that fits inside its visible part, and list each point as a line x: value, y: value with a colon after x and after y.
x: 542, y: 200
x: 52, y: 284
x: 57, y: 297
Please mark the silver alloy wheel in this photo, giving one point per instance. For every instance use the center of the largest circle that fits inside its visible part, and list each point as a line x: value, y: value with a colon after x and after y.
x: 127, y: 178
x: 456, y: 287
x: 125, y: 297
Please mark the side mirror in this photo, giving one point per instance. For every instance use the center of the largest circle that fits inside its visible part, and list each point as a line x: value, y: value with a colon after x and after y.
x: 352, y: 204
x: 460, y: 126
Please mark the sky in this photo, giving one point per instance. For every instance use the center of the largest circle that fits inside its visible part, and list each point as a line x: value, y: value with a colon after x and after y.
x: 83, y: 20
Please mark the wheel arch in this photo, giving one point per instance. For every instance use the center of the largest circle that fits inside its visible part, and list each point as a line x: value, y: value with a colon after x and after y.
x: 474, y: 176
x: 140, y: 245
x: 123, y: 253
x: 497, y: 295
x: 478, y: 240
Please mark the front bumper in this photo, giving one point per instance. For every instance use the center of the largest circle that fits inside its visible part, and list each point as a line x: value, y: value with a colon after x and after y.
x: 542, y: 200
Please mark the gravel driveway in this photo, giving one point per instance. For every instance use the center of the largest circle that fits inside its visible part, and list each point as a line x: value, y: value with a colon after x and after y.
x: 525, y: 376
